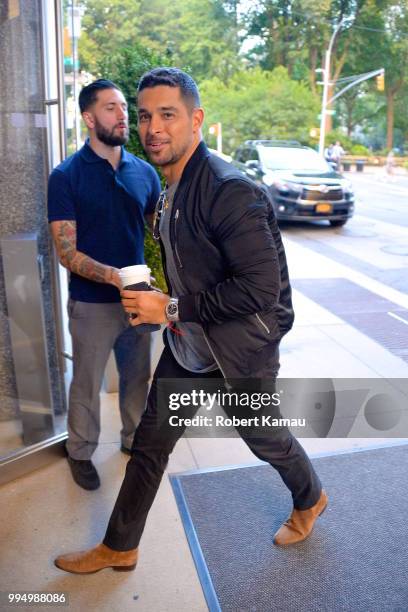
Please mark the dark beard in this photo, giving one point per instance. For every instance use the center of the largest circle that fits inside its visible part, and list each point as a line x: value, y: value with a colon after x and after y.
x: 109, y: 138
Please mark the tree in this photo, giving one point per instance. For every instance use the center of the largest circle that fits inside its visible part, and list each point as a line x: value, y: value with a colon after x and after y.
x: 358, y: 107
x: 401, y: 117
x: 363, y: 103
x: 259, y: 104
x: 296, y: 34
x: 379, y: 39
x: 124, y: 68
x: 201, y: 35
x: 290, y: 34
x: 106, y: 27
x: 204, y: 38
x: 395, y: 59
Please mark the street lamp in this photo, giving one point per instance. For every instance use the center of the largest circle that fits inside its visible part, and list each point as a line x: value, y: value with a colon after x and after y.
x: 351, y: 80
x: 326, y: 80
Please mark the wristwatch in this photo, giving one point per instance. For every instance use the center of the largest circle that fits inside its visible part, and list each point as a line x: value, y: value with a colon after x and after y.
x: 171, y: 310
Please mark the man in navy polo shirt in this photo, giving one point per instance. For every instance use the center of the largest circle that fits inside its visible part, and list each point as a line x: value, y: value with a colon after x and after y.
x: 98, y: 201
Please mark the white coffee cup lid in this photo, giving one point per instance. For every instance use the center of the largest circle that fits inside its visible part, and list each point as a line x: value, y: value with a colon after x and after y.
x: 134, y: 274
x: 134, y: 269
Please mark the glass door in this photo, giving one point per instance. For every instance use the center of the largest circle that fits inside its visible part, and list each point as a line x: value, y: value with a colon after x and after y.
x: 32, y: 390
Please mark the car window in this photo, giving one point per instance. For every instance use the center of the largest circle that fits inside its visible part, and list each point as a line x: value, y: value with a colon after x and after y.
x: 245, y: 155
x: 253, y: 154
x: 239, y: 155
x: 293, y: 159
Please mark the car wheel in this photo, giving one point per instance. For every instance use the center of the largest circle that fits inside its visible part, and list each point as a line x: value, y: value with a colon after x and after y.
x: 338, y: 222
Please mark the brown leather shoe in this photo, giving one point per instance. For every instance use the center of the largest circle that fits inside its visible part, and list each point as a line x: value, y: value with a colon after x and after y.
x: 95, y: 559
x: 300, y: 523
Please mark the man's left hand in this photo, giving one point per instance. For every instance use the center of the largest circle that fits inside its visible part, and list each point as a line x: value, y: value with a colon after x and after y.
x: 147, y: 305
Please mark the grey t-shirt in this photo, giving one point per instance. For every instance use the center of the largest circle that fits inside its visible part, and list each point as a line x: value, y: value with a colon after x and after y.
x: 187, y: 341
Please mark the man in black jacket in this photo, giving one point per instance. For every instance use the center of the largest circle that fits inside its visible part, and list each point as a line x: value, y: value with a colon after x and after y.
x: 229, y: 305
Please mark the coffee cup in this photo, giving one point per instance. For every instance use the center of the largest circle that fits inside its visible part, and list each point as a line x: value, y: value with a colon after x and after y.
x: 137, y: 278
x: 133, y: 275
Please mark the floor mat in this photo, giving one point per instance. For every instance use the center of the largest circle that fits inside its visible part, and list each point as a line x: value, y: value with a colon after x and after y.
x: 355, y: 560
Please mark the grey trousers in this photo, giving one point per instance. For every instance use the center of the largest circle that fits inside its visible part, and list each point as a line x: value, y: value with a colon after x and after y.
x: 96, y: 329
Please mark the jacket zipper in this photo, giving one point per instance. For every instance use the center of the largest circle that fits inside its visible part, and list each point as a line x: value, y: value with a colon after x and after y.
x: 212, y: 352
x: 262, y: 323
x: 176, y: 216
x: 215, y: 358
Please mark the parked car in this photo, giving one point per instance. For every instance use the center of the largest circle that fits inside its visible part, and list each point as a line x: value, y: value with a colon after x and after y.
x: 223, y: 156
x: 302, y: 184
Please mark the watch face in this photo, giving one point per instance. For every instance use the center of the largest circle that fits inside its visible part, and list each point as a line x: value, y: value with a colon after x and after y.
x: 172, y: 309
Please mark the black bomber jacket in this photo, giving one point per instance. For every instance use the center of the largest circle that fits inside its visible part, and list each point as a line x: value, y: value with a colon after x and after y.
x: 231, y: 259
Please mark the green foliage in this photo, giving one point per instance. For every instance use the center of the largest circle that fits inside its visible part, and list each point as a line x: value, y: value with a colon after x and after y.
x: 401, y: 115
x: 378, y: 40
x: 359, y: 149
x: 288, y: 33
x: 203, y: 37
x: 124, y: 68
x: 259, y: 104
x: 360, y: 106
x: 296, y: 33
x: 338, y: 135
x: 106, y: 26
x: 153, y: 260
x: 199, y: 34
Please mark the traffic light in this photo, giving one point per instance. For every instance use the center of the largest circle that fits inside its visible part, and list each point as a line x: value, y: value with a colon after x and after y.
x: 380, y: 81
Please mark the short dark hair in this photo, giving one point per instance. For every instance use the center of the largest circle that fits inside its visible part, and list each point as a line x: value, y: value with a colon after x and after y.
x: 172, y: 77
x: 89, y: 93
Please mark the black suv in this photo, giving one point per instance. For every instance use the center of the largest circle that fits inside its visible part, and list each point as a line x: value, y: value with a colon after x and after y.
x: 302, y: 184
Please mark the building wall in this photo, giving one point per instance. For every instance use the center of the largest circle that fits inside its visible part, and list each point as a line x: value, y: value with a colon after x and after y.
x: 24, y: 170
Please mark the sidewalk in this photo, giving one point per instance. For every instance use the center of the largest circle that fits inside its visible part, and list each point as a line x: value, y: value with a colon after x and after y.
x: 45, y: 514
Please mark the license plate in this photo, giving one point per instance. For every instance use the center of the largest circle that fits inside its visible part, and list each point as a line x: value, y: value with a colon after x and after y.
x: 324, y: 208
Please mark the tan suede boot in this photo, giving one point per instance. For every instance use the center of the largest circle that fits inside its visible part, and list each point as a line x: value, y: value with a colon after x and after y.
x: 95, y: 559
x: 300, y: 523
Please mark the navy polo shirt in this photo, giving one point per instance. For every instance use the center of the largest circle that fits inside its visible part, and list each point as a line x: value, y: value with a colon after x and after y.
x: 108, y: 206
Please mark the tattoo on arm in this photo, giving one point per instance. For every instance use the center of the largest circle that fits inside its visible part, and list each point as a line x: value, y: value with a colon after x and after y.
x: 85, y: 266
x: 64, y: 234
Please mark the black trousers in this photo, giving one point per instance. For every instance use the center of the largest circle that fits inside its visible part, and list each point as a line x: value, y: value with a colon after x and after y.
x: 153, y: 444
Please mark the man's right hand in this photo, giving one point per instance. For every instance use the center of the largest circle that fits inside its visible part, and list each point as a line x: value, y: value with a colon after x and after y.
x: 148, y: 306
